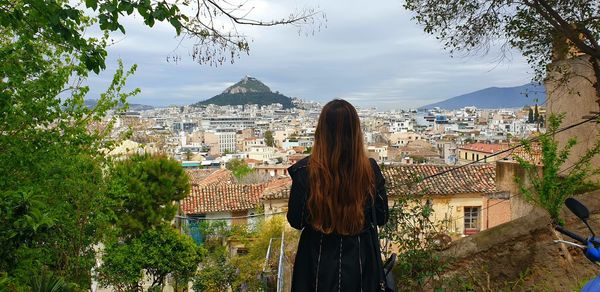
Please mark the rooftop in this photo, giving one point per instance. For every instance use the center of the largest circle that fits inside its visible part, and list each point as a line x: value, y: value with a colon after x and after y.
x: 485, y: 148
x: 400, y: 180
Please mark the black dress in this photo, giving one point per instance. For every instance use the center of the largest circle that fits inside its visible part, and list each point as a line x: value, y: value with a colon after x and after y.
x: 332, y: 262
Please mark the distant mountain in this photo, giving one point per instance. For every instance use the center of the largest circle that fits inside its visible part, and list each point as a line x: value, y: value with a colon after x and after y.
x: 496, y: 97
x: 248, y: 91
x: 90, y: 103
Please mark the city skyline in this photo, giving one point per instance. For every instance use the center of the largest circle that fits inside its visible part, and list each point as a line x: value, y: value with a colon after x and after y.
x: 371, y: 56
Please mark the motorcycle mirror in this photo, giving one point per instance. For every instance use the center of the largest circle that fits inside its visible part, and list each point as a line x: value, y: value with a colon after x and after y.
x: 578, y: 209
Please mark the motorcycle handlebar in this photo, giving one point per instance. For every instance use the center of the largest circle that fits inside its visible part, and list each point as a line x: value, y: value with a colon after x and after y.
x: 570, y: 234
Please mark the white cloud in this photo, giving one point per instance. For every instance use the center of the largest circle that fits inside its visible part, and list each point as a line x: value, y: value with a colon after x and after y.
x: 370, y: 54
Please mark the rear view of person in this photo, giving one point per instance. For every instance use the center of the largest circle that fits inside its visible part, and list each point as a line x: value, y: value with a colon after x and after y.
x: 331, y: 201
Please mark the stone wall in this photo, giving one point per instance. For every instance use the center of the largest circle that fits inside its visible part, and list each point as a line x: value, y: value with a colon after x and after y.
x: 520, y: 255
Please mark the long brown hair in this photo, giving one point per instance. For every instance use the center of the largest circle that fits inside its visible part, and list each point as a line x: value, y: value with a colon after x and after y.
x: 340, y: 174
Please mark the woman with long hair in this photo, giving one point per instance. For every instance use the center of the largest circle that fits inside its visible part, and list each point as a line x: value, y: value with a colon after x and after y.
x: 334, y: 192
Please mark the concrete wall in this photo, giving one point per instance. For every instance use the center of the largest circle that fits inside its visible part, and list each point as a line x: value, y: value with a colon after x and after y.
x: 507, y: 173
x: 496, y: 212
x: 570, y: 92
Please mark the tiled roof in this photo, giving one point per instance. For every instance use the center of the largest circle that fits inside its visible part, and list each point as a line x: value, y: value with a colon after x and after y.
x: 533, y: 156
x: 221, y: 198
x: 218, y: 177
x: 475, y: 178
x: 485, y: 148
x: 272, y: 166
x: 198, y: 175
x: 277, y: 189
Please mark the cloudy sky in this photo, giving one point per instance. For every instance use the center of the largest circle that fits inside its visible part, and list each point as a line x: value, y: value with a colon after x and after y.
x: 371, y: 55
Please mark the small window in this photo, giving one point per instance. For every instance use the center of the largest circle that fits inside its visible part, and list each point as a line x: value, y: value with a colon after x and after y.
x: 472, y: 219
x: 242, y: 251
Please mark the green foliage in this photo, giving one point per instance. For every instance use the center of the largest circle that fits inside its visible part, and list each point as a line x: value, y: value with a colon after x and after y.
x: 52, y: 203
x: 157, y: 252
x: 259, y: 98
x: 217, y: 273
x: 308, y: 150
x: 250, y: 266
x: 145, y: 190
x: 48, y: 282
x: 410, y: 230
x: 54, y: 207
x: 239, y: 167
x: 550, y: 186
x: 269, y: 139
x: 241, y: 270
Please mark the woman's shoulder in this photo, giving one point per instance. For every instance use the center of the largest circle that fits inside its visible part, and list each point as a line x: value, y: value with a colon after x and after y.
x: 374, y: 163
x: 299, y: 166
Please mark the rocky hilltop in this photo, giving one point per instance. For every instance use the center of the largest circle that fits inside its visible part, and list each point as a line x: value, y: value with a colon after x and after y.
x: 249, y: 90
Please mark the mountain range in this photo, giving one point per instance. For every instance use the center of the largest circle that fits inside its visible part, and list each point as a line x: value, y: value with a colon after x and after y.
x: 496, y: 97
x: 249, y: 90
x: 90, y: 103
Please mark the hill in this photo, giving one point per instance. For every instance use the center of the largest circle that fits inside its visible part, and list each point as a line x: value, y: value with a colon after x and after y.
x: 496, y: 97
x: 249, y: 90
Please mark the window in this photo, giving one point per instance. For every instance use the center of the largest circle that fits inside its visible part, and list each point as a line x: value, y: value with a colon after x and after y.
x: 472, y: 156
x: 465, y: 155
x: 472, y: 219
x: 477, y: 156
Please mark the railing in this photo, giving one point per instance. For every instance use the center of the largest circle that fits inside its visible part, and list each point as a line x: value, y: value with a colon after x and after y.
x: 269, y: 281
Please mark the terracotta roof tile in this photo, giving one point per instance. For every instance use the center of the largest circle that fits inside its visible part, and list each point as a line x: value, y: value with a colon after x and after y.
x: 485, y: 148
x: 404, y: 180
x: 533, y: 156
x: 221, y: 198
x: 219, y: 176
x: 277, y: 189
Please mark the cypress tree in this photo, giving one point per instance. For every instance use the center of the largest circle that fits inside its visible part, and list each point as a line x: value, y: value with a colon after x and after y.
x: 530, y: 117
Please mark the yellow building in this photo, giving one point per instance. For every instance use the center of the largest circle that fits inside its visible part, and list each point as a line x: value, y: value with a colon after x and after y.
x: 480, y: 152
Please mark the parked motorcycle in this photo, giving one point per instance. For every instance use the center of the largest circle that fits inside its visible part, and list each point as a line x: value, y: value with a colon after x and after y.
x: 590, y: 245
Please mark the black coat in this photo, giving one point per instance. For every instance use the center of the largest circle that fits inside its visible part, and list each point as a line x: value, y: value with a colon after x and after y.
x: 332, y: 262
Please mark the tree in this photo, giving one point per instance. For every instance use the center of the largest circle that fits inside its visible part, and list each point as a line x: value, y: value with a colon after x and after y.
x: 157, y: 252
x: 539, y: 29
x: 536, y: 114
x: 239, y: 167
x: 250, y: 265
x: 269, y: 140
x: 145, y: 190
x: 550, y: 186
x: 530, y: 116
x: 188, y: 155
x: 217, y: 273
x: 60, y: 22
x: 54, y: 206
